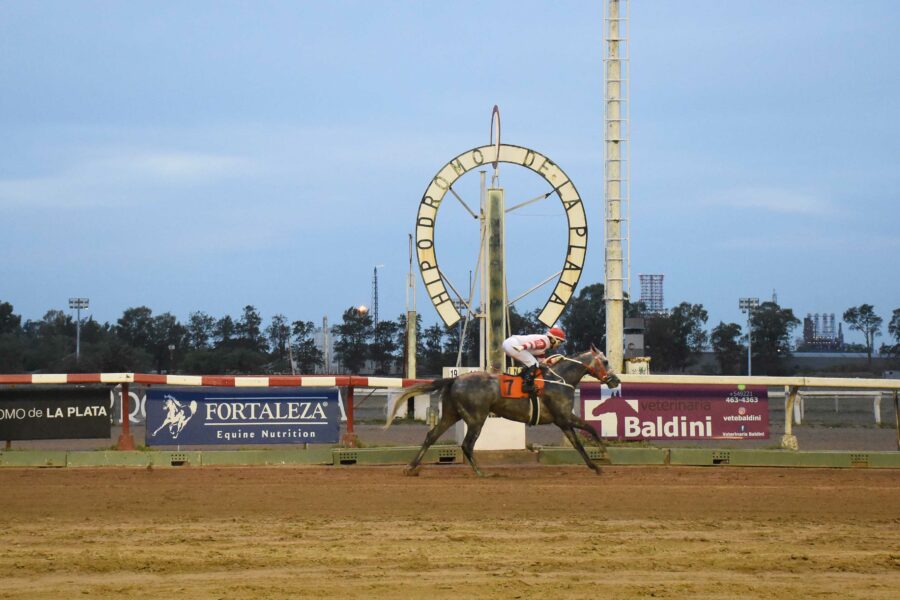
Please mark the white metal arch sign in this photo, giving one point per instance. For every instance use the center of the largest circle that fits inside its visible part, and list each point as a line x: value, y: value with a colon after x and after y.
x: 478, y: 157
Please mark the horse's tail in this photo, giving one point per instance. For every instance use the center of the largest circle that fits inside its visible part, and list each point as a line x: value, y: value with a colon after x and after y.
x: 420, y: 388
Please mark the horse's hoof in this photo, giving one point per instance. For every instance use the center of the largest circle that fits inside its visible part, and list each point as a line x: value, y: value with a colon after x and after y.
x: 598, y: 471
x: 411, y: 471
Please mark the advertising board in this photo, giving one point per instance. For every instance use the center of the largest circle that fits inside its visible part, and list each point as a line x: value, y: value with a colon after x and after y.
x: 685, y: 412
x: 54, y: 413
x: 188, y: 416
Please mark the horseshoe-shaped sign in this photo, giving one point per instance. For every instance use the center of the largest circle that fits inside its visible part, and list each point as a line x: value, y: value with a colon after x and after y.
x: 560, y: 184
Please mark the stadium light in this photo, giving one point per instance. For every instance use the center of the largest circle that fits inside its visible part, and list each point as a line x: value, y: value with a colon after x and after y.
x: 747, y: 305
x: 78, y: 304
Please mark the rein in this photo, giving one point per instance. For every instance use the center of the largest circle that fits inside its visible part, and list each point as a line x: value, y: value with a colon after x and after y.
x: 560, y: 358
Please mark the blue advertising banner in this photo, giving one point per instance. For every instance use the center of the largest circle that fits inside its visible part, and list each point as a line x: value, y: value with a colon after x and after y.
x: 189, y: 416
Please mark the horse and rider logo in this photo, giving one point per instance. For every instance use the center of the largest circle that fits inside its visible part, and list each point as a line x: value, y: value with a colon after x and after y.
x: 607, y: 411
x: 177, y: 415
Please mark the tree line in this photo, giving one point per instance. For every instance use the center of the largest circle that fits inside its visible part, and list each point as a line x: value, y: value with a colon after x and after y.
x: 140, y: 341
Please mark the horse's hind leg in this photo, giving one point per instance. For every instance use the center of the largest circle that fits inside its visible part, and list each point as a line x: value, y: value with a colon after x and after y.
x: 576, y: 443
x: 468, y: 445
x: 449, y: 416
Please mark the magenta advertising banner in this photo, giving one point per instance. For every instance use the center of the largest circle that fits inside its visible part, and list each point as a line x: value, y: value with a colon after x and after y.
x: 652, y: 411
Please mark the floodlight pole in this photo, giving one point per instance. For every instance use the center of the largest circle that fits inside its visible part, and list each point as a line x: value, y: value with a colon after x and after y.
x: 747, y: 305
x: 78, y: 304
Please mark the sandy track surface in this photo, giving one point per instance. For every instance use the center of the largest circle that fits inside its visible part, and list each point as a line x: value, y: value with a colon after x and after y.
x: 532, y: 532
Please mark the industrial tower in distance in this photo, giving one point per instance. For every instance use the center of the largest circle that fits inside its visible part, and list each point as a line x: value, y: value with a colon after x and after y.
x: 652, y: 294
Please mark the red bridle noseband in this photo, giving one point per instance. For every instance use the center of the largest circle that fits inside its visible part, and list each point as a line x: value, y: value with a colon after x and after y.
x: 597, y: 369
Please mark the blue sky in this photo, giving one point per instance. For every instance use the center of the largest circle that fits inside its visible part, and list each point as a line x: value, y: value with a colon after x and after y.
x: 208, y: 155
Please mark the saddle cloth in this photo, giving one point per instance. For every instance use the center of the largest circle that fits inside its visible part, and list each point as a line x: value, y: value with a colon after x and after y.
x: 511, y: 386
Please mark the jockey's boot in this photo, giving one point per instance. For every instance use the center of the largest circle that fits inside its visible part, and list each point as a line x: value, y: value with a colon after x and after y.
x: 528, y: 378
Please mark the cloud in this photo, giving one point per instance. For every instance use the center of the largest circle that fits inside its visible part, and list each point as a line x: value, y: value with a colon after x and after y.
x: 109, y: 178
x: 773, y: 200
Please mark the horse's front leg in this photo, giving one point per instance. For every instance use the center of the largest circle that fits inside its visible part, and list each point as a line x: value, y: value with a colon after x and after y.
x: 576, y: 443
x: 579, y: 423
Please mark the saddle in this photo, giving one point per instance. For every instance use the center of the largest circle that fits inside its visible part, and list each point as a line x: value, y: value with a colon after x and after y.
x: 511, y: 386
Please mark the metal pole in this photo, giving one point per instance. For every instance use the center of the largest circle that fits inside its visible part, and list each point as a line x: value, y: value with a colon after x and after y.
x: 411, y: 317
x: 482, y: 317
x: 749, y: 344
x: 126, y: 440
x: 78, y: 336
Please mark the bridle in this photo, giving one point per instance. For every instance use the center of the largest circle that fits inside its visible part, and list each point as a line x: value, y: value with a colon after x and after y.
x: 593, y: 371
x: 596, y: 368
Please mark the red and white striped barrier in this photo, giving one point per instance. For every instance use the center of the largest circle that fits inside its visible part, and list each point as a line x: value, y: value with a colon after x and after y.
x: 213, y: 380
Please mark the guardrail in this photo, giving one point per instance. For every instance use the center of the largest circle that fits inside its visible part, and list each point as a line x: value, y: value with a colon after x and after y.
x: 126, y: 439
x: 792, y: 387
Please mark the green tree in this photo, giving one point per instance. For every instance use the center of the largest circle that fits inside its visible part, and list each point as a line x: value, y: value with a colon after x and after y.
x: 772, y: 327
x: 452, y: 336
x: 9, y: 321
x: 433, y: 351
x: 352, y: 335
x: 729, y: 351
x: 249, y: 330
x: 894, y: 330
x: 200, y: 330
x: 307, y: 355
x: 11, y: 342
x: 279, y: 334
x: 46, y: 343
x: 384, y: 350
x: 584, y: 319
x: 135, y: 327
x: 862, y: 318
x: 524, y: 324
x: 675, y: 340
x: 224, y: 331
x: 894, y: 326
x: 167, y: 342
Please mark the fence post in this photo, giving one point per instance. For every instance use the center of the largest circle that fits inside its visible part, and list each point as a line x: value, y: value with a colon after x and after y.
x: 897, y: 418
x: 126, y: 440
x: 788, y: 440
x: 350, y: 440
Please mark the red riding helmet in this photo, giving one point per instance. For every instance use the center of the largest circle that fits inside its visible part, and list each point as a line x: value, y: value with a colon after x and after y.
x: 556, y: 332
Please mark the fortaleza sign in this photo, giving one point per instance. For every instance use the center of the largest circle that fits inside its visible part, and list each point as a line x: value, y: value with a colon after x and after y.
x: 189, y: 416
x: 685, y: 412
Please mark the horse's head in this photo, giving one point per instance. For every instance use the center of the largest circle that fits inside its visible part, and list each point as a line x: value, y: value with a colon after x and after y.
x: 598, y: 367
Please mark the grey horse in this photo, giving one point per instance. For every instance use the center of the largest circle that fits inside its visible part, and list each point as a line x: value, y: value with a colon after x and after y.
x: 473, y: 396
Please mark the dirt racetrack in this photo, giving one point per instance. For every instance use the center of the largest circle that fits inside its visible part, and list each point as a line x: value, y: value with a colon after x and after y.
x: 532, y: 532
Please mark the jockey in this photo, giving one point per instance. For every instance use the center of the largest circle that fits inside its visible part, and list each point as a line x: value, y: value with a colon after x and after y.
x: 527, y: 349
